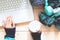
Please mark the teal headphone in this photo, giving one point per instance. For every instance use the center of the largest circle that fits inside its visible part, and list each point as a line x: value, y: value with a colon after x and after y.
x: 47, y: 9
x: 51, y: 14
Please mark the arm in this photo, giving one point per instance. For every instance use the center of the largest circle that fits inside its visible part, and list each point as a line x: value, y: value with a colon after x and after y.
x: 9, y: 28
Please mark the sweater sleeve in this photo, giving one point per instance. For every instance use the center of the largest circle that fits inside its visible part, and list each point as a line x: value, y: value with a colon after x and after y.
x: 9, y: 38
x: 10, y: 34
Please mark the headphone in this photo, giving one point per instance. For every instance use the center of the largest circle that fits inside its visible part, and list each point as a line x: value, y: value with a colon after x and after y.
x: 51, y: 14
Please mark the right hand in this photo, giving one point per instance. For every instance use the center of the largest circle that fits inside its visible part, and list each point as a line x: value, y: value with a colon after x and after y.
x: 8, y: 23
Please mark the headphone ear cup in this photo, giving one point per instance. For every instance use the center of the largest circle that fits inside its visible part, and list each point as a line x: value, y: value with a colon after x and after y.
x: 48, y: 10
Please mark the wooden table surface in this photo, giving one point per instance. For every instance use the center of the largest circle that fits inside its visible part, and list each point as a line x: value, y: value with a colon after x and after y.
x: 21, y: 27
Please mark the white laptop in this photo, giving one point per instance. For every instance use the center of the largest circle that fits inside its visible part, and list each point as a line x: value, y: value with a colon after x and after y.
x: 19, y: 10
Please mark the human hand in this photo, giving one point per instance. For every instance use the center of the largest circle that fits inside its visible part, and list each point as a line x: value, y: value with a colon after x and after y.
x: 8, y: 23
